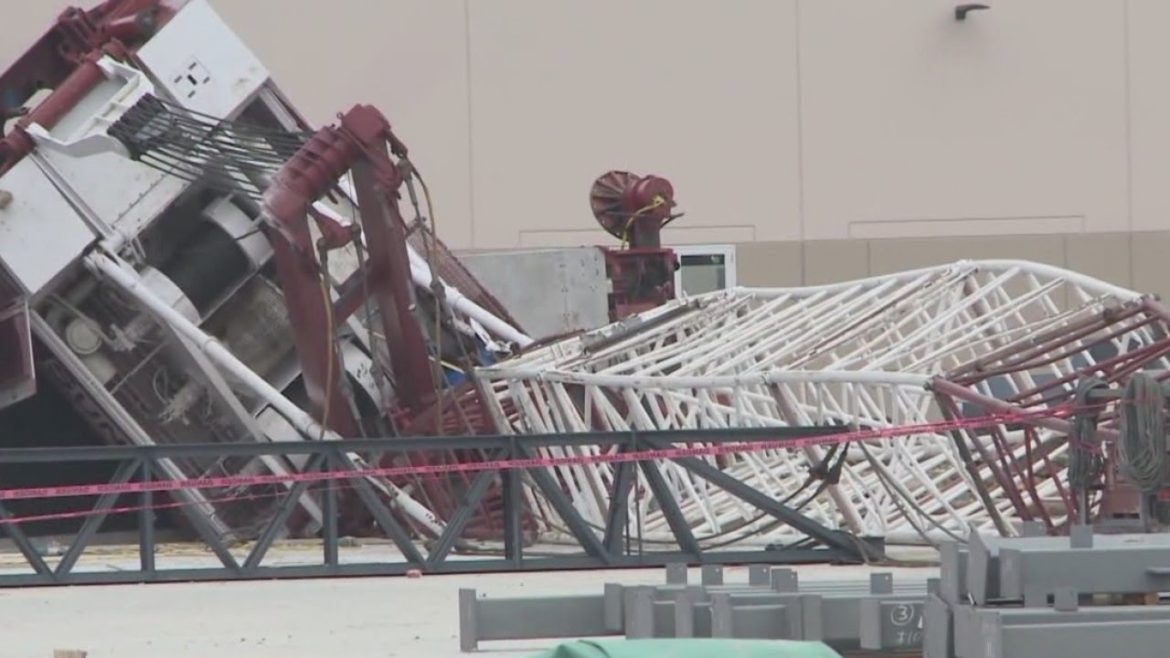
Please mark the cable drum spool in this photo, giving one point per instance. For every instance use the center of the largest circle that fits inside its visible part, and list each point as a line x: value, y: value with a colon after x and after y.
x: 1142, y: 445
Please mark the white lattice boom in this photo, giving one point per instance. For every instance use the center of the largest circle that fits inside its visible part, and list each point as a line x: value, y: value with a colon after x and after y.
x: 896, y: 350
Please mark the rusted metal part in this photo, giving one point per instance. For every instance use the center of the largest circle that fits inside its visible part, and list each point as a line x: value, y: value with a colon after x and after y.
x: 634, y: 209
x: 64, y: 60
x: 392, y: 288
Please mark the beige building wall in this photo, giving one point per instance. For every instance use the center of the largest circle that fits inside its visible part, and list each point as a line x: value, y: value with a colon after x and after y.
x: 825, y: 138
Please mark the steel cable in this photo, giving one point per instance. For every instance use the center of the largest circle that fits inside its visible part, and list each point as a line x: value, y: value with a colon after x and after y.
x: 1085, y: 462
x: 1142, y: 445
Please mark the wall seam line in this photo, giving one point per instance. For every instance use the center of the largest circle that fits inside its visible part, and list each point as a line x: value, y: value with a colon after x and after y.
x: 799, y: 124
x: 1127, y: 62
x: 470, y: 124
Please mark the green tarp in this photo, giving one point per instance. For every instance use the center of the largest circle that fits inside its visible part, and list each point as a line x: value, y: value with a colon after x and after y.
x: 694, y: 648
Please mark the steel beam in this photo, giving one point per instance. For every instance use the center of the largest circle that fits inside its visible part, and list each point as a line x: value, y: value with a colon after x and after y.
x: 564, y: 507
x: 11, y: 526
x: 462, y: 515
x: 101, y: 510
x: 596, y: 552
x: 843, y: 542
x: 619, y: 507
x: 382, y: 516
x: 1120, y: 564
x: 1047, y: 633
x: 275, y: 525
x: 529, y: 618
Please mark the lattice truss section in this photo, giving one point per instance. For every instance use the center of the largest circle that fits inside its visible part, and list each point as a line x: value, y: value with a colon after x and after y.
x: 966, y: 339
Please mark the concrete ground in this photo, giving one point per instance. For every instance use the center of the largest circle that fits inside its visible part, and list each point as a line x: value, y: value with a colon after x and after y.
x: 376, y: 617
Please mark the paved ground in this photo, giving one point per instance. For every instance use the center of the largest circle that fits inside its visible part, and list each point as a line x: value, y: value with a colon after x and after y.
x: 376, y: 617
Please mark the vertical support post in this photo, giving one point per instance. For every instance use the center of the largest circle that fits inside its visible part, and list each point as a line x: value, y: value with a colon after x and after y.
x: 513, y: 506
x: 684, y: 615
x: 613, y: 599
x: 721, y: 623
x: 1032, y: 529
x: 329, y: 514
x: 811, y: 608
x: 759, y: 575
x: 1065, y: 599
x: 146, y: 522
x: 619, y: 506
x: 640, y: 613
x: 881, y: 583
x: 468, y: 622
x: 676, y: 573
x: 712, y: 574
x: 1080, y: 536
x: 785, y: 580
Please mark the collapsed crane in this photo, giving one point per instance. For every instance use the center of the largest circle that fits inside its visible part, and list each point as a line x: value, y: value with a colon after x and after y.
x: 191, y: 262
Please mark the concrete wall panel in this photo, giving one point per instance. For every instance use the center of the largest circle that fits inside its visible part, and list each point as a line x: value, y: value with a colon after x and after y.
x: 1149, y: 96
x: 765, y: 264
x: 407, y: 57
x: 1106, y: 256
x: 1016, y: 115
x: 888, y: 256
x: 702, y: 93
x: 1151, y: 266
x: 829, y: 261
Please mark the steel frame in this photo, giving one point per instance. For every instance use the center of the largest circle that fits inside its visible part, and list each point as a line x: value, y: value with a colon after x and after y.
x: 878, y: 613
x: 969, y: 338
x: 610, y: 545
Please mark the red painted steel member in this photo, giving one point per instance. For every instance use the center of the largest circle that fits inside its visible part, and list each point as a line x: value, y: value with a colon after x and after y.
x: 64, y: 60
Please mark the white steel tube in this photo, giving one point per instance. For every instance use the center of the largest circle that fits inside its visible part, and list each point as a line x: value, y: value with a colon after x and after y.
x: 420, y: 273
x: 129, y: 281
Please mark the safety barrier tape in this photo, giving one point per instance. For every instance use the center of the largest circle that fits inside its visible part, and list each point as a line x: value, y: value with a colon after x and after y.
x: 534, y: 462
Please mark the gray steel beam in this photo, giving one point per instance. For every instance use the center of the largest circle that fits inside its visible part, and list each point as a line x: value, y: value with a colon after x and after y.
x: 513, y: 507
x: 564, y: 507
x: 676, y: 574
x: 938, y: 629
x: 11, y: 526
x: 1137, y: 631
x: 953, y: 559
x: 596, y: 553
x: 887, y: 625
x: 846, y: 544
x: 982, y: 562
x: 462, y: 514
x: 146, y: 543
x: 275, y: 525
x: 529, y: 618
x: 382, y: 515
x: 1139, y: 567
x: 679, y: 527
x: 619, y: 507
x: 100, y: 510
